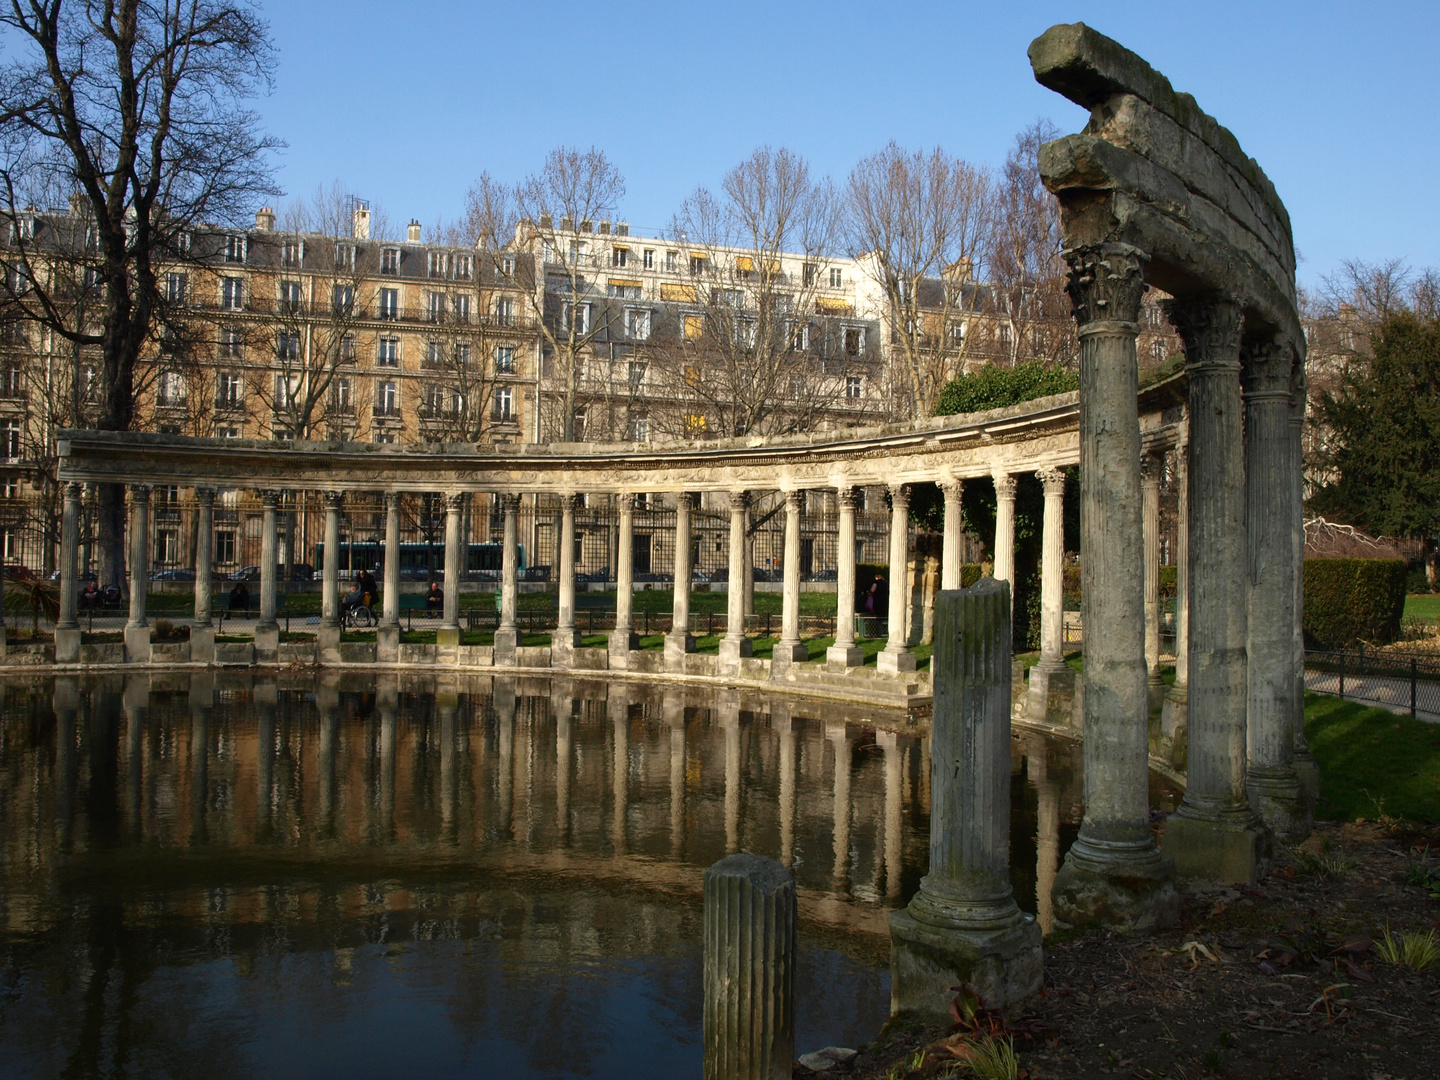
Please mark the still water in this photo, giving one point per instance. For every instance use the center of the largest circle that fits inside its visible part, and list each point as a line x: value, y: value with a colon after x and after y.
x: 231, y: 876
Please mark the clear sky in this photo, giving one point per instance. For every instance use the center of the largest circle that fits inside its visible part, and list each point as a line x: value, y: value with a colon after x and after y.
x: 408, y: 103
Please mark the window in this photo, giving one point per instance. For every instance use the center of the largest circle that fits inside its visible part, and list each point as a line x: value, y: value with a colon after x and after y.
x: 697, y: 263
x: 957, y: 334
x: 576, y: 316
x: 434, y: 353
x: 504, y: 404
x: 436, y: 264
x: 464, y: 267
x: 577, y: 251
x: 232, y: 342
x: 638, y: 430
x: 10, y: 439
x: 624, y: 290
x: 434, y: 400
x: 672, y: 261
x: 88, y: 384
x: 225, y: 544
x: 385, y: 438
x: 460, y: 308
x: 292, y: 253
x: 835, y: 277
x: 695, y: 425
x: 694, y: 326
x: 505, y: 359
x: 390, y: 260
x: 344, y: 256
x: 286, y: 389
x: 176, y: 288
x: 638, y: 369
x: 637, y: 324
x: 1004, y: 335
x: 390, y: 304
x: 167, y: 547
x: 229, y: 390
x: 344, y: 397
x: 389, y: 355
x: 387, y: 399
x: 461, y: 352
x: 290, y: 296
x: 345, y: 354
x: 853, y: 389
x: 11, y: 381
x: 342, y: 301
x: 232, y: 293
x: 507, y: 265
x: 800, y: 337
x: 170, y: 391
x: 808, y: 272
x: 745, y: 333
x: 505, y: 311
x: 1157, y: 350
x: 435, y: 306
x: 227, y: 433
x: 620, y: 256
x: 580, y: 425
x: 649, y: 259
x: 235, y: 247
x: 854, y: 340
x: 287, y: 345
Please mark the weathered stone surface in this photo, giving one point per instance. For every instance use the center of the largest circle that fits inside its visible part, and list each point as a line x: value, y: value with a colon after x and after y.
x: 831, y: 1056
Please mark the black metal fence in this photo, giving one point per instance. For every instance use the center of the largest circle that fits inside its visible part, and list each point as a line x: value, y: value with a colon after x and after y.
x: 1397, y: 680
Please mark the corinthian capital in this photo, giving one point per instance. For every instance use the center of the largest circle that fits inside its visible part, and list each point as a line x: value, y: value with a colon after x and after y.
x: 1106, y: 283
x: 1210, y: 328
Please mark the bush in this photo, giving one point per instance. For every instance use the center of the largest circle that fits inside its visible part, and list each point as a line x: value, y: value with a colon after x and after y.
x: 1349, y: 600
x: 994, y: 388
x: 1168, y: 581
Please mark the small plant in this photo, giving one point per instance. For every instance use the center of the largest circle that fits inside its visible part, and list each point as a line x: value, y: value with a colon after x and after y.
x: 1410, y: 949
x: 1306, y: 943
x: 1328, y: 863
x: 164, y: 628
x: 989, y: 1058
x: 1212, y: 1061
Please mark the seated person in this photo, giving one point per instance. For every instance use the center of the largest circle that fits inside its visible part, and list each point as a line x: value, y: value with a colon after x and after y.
x: 90, y: 597
x: 354, y: 598
x: 240, y: 598
x: 435, y: 598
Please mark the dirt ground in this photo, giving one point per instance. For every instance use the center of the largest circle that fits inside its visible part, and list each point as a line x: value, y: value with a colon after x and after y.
x: 1284, y: 980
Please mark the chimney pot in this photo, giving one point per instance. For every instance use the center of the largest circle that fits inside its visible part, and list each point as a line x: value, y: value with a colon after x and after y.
x: 412, y: 231
x: 265, y: 219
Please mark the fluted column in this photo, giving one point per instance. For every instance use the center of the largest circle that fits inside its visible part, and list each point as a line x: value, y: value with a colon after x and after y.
x: 963, y: 926
x: 790, y: 650
x: 507, y: 637
x: 950, y: 558
x: 735, y: 644
x: 387, y: 637
x: 841, y: 807
x: 1306, y: 770
x: 679, y: 642
x: 1214, y: 834
x: 897, y: 657
x: 1005, y: 530
x: 1174, y: 734
x: 845, y: 653
x: 267, y: 630
x: 623, y: 638
x: 204, y: 555
x: 566, y: 638
x: 1113, y: 873
x: 67, y: 626
x: 137, y: 629
x: 448, y: 634
x: 1051, y: 692
x: 327, y: 634
x: 1150, y: 515
x: 1272, y: 785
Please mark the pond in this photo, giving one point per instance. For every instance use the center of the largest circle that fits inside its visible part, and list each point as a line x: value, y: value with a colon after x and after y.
x: 227, y: 875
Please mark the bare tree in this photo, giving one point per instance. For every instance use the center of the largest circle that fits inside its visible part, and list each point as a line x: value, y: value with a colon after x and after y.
x: 919, y: 223
x: 134, y: 108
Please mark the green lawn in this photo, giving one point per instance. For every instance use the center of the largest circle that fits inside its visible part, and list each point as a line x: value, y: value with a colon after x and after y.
x: 1372, y: 760
x: 1425, y: 607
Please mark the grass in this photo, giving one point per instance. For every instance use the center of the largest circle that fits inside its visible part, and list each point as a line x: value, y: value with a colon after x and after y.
x: 1424, y: 607
x: 1372, y: 761
x: 1411, y: 949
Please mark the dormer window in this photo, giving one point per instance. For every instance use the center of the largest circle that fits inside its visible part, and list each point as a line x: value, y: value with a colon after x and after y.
x: 344, y: 256
x: 390, y: 260
x: 292, y: 253
x: 437, y: 264
x: 236, y: 248
x: 464, y: 267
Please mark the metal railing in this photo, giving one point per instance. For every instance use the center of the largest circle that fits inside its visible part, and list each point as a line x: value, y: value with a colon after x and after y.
x: 1396, y: 680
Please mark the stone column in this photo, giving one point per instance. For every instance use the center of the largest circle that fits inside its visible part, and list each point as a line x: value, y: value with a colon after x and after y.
x: 266, y: 698
x: 727, y: 712
x: 1214, y: 834
x: 617, y: 705
x: 784, y: 724
x: 679, y: 642
x: 507, y: 637
x: 137, y: 629
x: 672, y: 713
x: 1005, y: 530
x: 889, y: 744
x: 1306, y: 769
x: 963, y: 925
x: 566, y: 638
x: 448, y: 634
x: 1051, y: 693
x: 623, y: 638
x: 327, y: 635
x: 387, y: 702
x: 1113, y: 873
x: 750, y: 923
x: 845, y: 654
x: 735, y: 644
x: 67, y: 627
x: 1150, y: 466
x: 1273, y: 788
x: 387, y: 637
x: 951, y: 561
x: 790, y: 650
x: 897, y: 657
x: 1174, y: 725
x: 202, y: 629
x: 267, y: 630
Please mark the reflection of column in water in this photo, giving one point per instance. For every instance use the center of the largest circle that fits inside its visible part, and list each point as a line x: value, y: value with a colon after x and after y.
x: 782, y: 721
x: 728, y: 708
x: 889, y: 742
x: 202, y: 701
x: 447, y: 707
x: 136, y: 699
x: 617, y: 704
x: 503, y: 699
x: 1047, y: 836
x: 66, y: 703
x: 672, y: 711
x: 327, y: 701
x: 266, y: 695
x: 387, y: 701
x: 840, y: 741
x: 562, y: 702
x: 524, y: 769
x: 925, y: 774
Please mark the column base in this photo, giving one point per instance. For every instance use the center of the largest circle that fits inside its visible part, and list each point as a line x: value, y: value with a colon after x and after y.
x: 1280, y: 802
x: 785, y: 656
x: 447, y: 637
x: 506, y: 644
x: 927, y: 962
x: 676, y: 646
x: 202, y: 644
x: 843, y: 657
x: 1307, y: 771
x: 1154, y: 690
x: 67, y: 645
x: 137, y: 644
x: 1174, y: 726
x: 621, y: 642
x: 895, y: 661
x: 1228, y: 846
x: 387, y: 644
x: 1125, y: 888
x: 267, y: 643
x: 1050, y: 694
x: 732, y: 651
x: 563, y: 644
x: 327, y: 644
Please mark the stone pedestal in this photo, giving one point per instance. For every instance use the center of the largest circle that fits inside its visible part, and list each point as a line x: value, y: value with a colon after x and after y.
x: 506, y: 643
x: 1050, y: 695
x: 963, y: 925
x: 448, y: 637
x: 137, y: 644
x: 750, y: 918
x: 1174, y: 726
x: 677, y: 645
x: 1225, y: 846
x: 895, y: 662
x: 785, y: 656
x: 327, y: 643
x: 621, y: 642
x: 732, y: 651
x: 387, y: 644
x: 267, y: 643
x: 842, y: 657
x: 67, y: 646
x: 202, y: 644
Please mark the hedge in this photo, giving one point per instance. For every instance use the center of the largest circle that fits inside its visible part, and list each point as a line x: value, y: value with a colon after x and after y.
x: 1349, y: 600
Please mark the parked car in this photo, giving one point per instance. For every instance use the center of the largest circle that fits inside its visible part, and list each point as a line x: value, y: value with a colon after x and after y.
x: 302, y: 572
x: 602, y: 576
x: 825, y: 575
x: 245, y: 573
x: 177, y: 574
x: 536, y: 573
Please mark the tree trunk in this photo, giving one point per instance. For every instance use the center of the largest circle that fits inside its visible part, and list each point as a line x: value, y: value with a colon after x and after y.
x: 110, y: 527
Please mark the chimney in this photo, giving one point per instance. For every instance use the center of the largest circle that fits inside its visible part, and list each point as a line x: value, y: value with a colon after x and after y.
x: 546, y: 221
x: 604, y: 229
x: 265, y: 219
x: 585, y: 225
x: 412, y: 231
x: 361, y: 221
x: 622, y: 228
x: 567, y: 224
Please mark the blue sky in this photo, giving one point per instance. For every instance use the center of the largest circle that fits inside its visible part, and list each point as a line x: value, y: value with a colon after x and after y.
x: 407, y: 104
